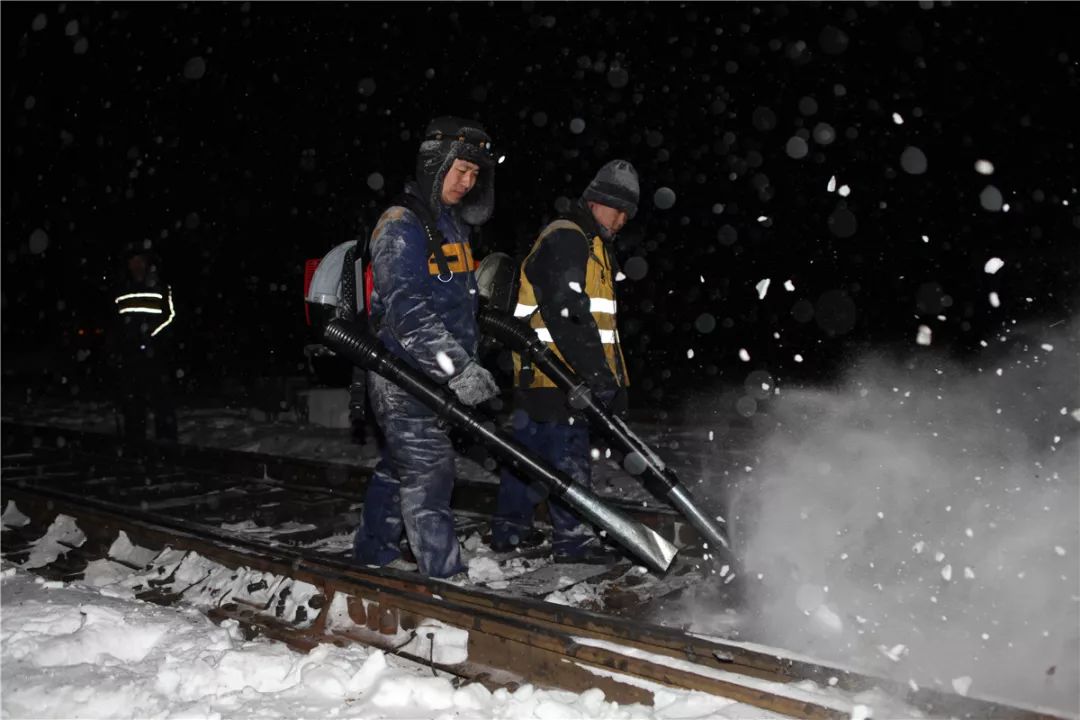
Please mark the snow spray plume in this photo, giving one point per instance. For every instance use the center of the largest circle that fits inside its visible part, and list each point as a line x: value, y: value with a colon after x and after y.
x: 366, y: 351
x: 921, y: 521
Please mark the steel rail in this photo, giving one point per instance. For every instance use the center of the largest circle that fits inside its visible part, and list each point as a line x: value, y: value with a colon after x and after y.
x: 535, y: 641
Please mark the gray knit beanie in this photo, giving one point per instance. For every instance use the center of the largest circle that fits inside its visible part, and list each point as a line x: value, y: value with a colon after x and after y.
x: 616, y: 185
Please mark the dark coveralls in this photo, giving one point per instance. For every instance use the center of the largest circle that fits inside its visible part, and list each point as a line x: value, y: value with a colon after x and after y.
x: 542, y: 420
x: 145, y: 312
x: 429, y: 321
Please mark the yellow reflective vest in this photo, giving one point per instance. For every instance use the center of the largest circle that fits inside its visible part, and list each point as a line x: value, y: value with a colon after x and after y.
x: 599, y: 287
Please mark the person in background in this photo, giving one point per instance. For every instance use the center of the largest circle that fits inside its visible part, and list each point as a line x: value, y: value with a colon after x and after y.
x: 567, y: 295
x: 145, y: 312
x: 423, y: 308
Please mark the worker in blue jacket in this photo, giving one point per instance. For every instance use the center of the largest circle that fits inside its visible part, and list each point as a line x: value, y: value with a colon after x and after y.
x: 423, y: 308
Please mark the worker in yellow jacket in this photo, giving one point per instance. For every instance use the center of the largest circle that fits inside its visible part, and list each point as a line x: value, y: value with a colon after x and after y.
x: 567, y: 295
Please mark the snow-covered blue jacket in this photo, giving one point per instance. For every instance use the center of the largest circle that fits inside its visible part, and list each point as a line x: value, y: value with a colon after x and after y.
x: 426, y: 319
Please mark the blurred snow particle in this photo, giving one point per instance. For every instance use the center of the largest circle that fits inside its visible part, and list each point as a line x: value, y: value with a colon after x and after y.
x: 39, y: 241
x: 179, y: 373
x: 72, y: 28
x: 743, y: 355
x: 727, y: 235
x: 946, y: 572
x: 833, y: 40
x: 961, y: 685
x: 429, y: 73
x: 824, y: 134
x: 81, y: 46
x: 832, y: 184
x: 577, y: 126
x: 842, y: 223
x: 797, y: 148
x: 844, y: 191
x: 789, y: 286
x: 30, y: 102
x: 990, y: 198
x: 366, y: 87
x: 375, y: 181
x: 195, y: 68
x: 705, y: 323
x: 1059, y: 550
x: 717, y: 208
x: 690, y: 354
x: 746, y: 406
x: 808, y: 106
x: 897, y: 119
x: 762, y: 288
x: 636, y: 267
x: 995, y: 301
x: 993, y: 265
x: 798, y: 358
x: 969, y: 573
x: 913, y: 160
x: 664, y: 198
x: 617, y: 77
x: 539, y: 118
x: 39, y: 22
x: 984, y: 167
x: 923, y: 337
x: 764, y: 119
x: 445, y: 363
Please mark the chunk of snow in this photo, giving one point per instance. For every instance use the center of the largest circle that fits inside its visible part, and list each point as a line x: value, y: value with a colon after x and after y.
x: 445, y: 363
x: 844, y: 191
x: 961, y: 685
x: 995, y: 301
x: 1059, y: 550
x: 993, y: 265
x: 923, y: 336
x: 832, y: 183
x: 762, y: 288
x: 1047, y: 347
x: 798, y: 358
x: 984, y: 167
x: 789, y: 286
x: 690, y: 353
x: 575, y: 286
x: 946, y: 572
x: 897, y: 119
x: 743, y: 355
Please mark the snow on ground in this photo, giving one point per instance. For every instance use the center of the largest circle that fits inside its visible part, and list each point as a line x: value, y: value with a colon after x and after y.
x: 70, y: 651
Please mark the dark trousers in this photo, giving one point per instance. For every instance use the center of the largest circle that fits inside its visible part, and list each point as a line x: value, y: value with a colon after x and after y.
x: 147, y: 386
x: 565, y: 447
x: 410, y: 488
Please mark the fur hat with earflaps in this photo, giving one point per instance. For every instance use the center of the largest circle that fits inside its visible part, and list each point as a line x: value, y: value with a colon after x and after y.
x: 445, y: 140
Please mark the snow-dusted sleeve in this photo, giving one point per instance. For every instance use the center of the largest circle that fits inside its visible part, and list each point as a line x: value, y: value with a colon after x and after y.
x: 400, y: 272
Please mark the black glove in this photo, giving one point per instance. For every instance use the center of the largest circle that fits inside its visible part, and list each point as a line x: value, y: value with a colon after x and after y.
x: 474, y: 384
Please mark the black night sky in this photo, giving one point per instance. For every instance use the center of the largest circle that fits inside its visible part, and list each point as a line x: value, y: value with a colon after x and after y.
x: 239, y: 140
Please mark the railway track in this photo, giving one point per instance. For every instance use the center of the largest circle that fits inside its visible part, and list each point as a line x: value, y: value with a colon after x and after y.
x: 173, y: 517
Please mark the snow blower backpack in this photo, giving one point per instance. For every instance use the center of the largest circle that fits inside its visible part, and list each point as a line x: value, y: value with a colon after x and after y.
x: 339, y: 284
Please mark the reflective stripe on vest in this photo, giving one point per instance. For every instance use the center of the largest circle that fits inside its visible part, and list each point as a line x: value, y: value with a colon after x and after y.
x: 599, y: 286
x: 148, y: 303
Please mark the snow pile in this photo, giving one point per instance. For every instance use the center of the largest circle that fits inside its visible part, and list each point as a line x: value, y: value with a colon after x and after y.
x: 69, y: 651
x: 923, y: 519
